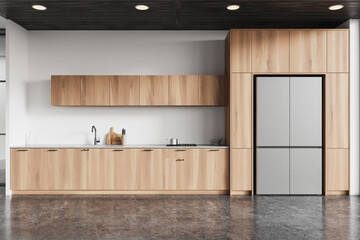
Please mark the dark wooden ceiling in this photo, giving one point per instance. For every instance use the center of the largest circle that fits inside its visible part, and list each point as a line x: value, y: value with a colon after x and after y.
x: 177, y: 14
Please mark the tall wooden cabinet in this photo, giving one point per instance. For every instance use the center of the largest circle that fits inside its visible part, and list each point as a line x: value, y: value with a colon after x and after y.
x: 322, y: 52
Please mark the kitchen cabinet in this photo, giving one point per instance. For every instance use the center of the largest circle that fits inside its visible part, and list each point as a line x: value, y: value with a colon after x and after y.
x: 124, y: 90
x: 154, y: 90
x: 184, y: 90
x: 337, y: 110
x: 240, y: 51
x: 212, y: 90
x: 241, y: 170
x: 48, y: 169
x: 213, y: 169
x: 181, y: 169
x: 307, y: 51
x: 112, y: 169
x: 241, y: 110
x: 150, y: 170
x: 65, y: 90
x: 94, y: 90
x: 337, y: 51
x: 337, y: 169
x: 270, y: 51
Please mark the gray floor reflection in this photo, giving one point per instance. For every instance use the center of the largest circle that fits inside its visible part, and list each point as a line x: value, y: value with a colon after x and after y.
x: 179, y: 217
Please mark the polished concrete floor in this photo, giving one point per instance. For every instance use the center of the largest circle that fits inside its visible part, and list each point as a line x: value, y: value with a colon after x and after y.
x: 179, y: 217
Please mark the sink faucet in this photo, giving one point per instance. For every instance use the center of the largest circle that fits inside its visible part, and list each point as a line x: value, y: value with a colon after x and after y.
x: 96, y: 140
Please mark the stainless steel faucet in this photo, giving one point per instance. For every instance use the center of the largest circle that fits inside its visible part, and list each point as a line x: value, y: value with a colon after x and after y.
x: 96, y: 140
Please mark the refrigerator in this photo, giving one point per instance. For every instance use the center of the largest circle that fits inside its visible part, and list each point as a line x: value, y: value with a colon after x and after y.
x: 2, y: 127
x: 288, y: 135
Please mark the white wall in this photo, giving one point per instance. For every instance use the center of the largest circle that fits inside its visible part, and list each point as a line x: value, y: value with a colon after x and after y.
x: 354, y: 107
x: 122, y: 52
x: 16, y: 75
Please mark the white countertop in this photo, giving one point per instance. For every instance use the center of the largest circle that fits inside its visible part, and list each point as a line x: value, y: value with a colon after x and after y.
x: 137, y: 146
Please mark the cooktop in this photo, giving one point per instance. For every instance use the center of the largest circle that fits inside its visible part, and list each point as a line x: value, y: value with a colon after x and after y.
x: 182, y: 145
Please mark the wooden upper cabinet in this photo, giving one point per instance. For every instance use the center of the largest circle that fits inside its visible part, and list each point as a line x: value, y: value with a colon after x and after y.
x: 65, y: 90
x: 337, y: 110
x: 94, y: 90
x: 184, y: 90
x: 213, y: 90
x: 241, y: 110
x: 240, y: 51
x: 337, y: 169
x: 154, y: 90
x: 307, y: 51
x: 270, y: 51
x: 241, y: 169
x: 124, y: 90
x: 337, y: 51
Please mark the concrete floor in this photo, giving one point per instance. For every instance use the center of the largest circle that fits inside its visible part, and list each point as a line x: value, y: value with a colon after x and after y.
x: 179, y: 217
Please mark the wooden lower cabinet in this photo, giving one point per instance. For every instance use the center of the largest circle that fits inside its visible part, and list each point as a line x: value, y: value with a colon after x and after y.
x: 119, y: 169
x: 196, y: 169
x: 48, y: 169
x: 337, y: 170
x: 112, y: 169
x: 241, y: 170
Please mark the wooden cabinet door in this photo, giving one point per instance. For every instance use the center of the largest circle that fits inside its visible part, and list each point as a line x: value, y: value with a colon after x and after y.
x: 270, y: 51
x: 240, y: 51
x: 212, y: 90
x: 213, y: 169
x: 150, y: 169
x: 154, y: 90
x: 337, y: 111
x: 113, y: 169
x: 69, y: 168
x: 337, y: 51
x: 307, y: 51
x: 181, y: 169
x: 65, y: 90
x: 124, y: 90
x: 95, y: 90
x: 241, y: 169
x: 31, y: 169
x: 184, y: 90
x: 337, y: 169
x: 241, y: 110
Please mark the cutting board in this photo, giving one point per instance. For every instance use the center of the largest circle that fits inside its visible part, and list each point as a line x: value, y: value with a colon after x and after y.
x: 113, y: 138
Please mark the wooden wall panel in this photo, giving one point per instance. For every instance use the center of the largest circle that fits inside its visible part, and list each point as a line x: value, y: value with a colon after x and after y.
x: 240, y: 54
x: 270, y: 51
x: 241, y: 110
x: 307, y: 51
x: 337, y: 111
x: 337, y: 51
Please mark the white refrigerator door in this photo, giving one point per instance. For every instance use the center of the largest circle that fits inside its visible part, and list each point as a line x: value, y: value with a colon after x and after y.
x: 272, y: 171
x: 2, y: 106
x: 305, y: 171
x: 305, y: 111
x: 272, y: 111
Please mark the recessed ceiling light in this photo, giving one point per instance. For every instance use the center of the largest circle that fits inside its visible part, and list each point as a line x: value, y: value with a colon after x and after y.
x: 142, y: 7
x: 336, y: 7
x: 233, y: 7
x: 39, y: 7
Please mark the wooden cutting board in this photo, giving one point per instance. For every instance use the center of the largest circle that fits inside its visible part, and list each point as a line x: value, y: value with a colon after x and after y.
x: 113, y: 138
